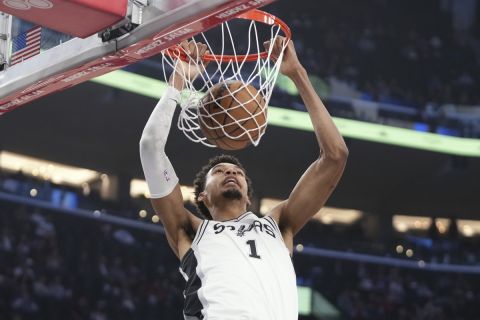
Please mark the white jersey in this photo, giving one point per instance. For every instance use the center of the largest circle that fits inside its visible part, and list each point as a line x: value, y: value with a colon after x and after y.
x: 239, y: 270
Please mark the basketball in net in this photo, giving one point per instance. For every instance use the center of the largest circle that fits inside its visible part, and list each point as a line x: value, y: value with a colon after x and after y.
x: 232, y: 115
x: 226, y: 105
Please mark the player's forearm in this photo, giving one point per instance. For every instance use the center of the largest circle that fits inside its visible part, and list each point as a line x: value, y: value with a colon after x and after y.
x: 158, y: 125
x: 159, y: 173
x: 330, y: 140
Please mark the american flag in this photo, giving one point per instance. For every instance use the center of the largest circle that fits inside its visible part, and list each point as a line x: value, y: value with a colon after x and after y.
x: 26, y: 45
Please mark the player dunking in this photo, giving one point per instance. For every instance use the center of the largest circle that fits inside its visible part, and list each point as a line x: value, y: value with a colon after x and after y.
x: 237, y: 266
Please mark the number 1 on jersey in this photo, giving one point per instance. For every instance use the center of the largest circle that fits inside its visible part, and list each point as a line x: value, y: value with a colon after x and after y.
x: 253, y: 249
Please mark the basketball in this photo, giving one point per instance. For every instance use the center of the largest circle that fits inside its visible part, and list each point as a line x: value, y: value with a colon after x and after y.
x: 232, y: 115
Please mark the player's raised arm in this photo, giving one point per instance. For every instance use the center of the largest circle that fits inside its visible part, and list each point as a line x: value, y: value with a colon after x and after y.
x: 320, y: 179
x: 166, y: 197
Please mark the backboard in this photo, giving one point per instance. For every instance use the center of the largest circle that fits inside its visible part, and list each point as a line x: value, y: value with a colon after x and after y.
x: 147, y: 29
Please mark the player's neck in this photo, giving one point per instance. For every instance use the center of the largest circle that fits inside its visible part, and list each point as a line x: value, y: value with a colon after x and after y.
x: 228, y: 210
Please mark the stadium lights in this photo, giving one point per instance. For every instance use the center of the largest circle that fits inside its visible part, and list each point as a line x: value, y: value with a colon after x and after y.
x: 46, y: 170
x: 403, y: 223
x: 469, y: 228
x: 139, y: 188
x: 142, y: 213
x: 330, y: 215
x: 86, y: 189
x: 267, y: 204
x: 299, y: 120
x: 188, y: 193
x: 442, y: 224
x: 326, y: 215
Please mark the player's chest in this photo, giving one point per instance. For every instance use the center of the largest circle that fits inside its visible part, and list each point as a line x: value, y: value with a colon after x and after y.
x: 246, y: 229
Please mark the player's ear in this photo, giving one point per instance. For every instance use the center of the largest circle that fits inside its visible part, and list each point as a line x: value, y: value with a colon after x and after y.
x: 202, y: 197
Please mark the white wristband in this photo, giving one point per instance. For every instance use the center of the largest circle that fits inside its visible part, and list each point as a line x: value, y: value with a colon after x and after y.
x: 159, y: 173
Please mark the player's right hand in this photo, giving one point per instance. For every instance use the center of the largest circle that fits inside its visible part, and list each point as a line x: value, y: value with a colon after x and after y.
x: 195, y: 65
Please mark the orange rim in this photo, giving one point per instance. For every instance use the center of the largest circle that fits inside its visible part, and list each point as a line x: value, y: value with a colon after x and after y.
x: 256, y: 15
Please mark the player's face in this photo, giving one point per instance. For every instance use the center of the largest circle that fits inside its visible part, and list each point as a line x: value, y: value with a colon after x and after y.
x: 227, y: 180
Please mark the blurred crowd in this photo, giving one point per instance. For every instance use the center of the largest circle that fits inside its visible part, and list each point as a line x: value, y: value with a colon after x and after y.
x: 62, y: 267
x: 367, y: 291
x: 400, y: 52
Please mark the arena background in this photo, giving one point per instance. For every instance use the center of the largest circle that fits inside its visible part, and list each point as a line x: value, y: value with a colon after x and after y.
x: 413, y: 216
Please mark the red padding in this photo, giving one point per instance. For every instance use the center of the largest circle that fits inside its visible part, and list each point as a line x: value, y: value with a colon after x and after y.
x: 79, y: 18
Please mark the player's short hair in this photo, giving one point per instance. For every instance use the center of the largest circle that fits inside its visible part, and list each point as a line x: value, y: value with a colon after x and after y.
x: 200, y: 178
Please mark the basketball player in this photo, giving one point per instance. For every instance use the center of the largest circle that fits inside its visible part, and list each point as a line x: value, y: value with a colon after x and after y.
x: 238, y: 266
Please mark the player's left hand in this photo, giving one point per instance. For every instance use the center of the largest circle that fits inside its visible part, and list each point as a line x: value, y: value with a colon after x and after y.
x: 290, y: 63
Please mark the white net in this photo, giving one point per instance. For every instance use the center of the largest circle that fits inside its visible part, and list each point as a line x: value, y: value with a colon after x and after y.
x: 229, y: 98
